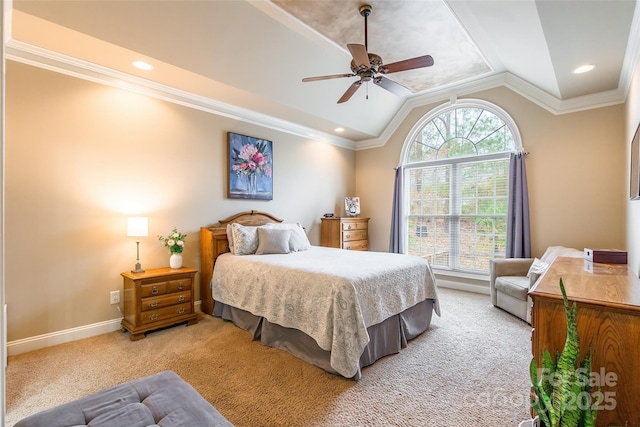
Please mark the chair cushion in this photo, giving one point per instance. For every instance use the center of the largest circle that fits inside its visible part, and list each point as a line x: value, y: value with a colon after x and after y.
x: 515, y: 286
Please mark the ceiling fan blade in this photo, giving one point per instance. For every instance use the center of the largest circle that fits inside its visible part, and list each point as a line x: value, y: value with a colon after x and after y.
x: 407, y: 64
x: 333, y: 76
x: 360, y: 56
x: 391, y: 86
x: 352, y: 89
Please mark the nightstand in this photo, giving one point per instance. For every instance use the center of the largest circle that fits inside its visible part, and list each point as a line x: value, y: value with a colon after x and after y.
x: 346, y: 233
x: 158, y: 298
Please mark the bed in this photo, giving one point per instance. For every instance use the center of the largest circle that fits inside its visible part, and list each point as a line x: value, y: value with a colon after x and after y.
x: 339, y: 310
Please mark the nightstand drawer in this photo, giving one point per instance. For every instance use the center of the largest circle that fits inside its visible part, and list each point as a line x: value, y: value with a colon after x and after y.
x: 161, y: 288
x: 346, y: 226
x: 152, y: 303
x: 165, y: 313
x: 349, y: 236
x: 359, y: 245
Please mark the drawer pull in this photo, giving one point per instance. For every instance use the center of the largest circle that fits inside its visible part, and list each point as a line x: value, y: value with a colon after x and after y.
x: 182, y: 310
x: 154, y: 291
x: 349, y: 227
x: 347, y: 236
x: 154, y: 317
x: 180, y: 286
x: 181, y: 298
x: 153, y: 304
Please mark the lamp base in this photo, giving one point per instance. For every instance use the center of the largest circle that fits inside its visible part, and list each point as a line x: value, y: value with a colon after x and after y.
x: 138, y: 268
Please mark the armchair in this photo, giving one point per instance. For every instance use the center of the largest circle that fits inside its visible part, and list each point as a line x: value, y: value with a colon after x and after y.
x: 510, y: 280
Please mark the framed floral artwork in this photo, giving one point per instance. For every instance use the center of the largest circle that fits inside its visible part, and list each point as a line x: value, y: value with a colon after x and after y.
x: 250, y: 167
x: 352, y: 206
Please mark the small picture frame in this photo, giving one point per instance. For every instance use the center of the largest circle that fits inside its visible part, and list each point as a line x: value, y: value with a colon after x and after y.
x: 352, y: 206
x: 250, y: 167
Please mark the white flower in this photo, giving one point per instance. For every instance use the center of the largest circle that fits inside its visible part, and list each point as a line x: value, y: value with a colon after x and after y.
x: 180, y: 243
x: 170, y: 242
x: 175, y: 235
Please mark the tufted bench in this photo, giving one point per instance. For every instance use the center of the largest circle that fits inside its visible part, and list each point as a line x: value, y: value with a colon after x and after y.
x: 162, y: 399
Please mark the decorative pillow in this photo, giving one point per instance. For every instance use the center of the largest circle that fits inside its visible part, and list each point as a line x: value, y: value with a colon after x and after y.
x: 273, y: 241
x: 245, y: 239
x: 230, y: 237
x: 538, y: 267
x: 298, y: 241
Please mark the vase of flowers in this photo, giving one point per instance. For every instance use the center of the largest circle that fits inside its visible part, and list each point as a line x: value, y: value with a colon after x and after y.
x: 175, y: 243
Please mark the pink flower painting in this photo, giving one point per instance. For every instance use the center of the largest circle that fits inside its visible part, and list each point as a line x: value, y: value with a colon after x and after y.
x: 250, y: 167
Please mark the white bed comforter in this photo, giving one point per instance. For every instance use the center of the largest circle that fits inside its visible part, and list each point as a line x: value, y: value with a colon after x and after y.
x: 332, y: 295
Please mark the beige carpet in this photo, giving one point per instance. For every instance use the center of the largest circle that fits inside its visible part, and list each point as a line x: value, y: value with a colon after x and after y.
x: 470, y: 368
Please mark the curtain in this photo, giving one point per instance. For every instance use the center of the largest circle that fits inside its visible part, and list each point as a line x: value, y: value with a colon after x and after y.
x: 518, y: 226
x: 396, y: 239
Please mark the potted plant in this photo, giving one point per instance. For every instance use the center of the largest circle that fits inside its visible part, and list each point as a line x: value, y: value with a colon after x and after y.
x: 562, y: 390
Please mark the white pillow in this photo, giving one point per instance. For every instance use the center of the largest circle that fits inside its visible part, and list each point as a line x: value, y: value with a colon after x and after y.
x: 245, y: 239
x: 273, y: 240
x: 537, y: 267
x: 298, y: 240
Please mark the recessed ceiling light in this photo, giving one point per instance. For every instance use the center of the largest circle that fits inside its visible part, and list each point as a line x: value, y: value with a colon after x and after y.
x: 141, y: 65
x: 584, y: 69
x: 339, y: 129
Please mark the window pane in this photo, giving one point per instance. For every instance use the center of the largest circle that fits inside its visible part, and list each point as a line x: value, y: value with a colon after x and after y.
x: 457, y: 214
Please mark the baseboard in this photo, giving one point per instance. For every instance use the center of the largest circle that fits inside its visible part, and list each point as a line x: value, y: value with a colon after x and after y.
x: 479, y: 289
x: 60, y: 337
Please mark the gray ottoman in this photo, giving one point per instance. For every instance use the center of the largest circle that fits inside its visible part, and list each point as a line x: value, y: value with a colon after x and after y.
x: 163, y: 399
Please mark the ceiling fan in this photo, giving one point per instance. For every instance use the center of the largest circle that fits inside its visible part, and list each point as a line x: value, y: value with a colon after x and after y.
x: 369, y: 66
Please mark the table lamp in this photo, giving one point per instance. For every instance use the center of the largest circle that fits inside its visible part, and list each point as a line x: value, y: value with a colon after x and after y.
x: 138, y: 226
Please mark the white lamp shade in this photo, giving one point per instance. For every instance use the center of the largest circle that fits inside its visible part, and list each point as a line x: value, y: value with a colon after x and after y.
x: 138, y: 226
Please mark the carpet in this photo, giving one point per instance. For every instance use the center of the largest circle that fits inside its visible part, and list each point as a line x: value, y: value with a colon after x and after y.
x: 470, y: 368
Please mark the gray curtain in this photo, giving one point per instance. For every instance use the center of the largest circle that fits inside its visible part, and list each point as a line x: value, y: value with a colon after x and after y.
x: 396, y: 239
x: 518, y: 226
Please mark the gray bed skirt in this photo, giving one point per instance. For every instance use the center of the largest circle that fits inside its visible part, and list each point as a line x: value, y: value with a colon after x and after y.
x: 388, y: 337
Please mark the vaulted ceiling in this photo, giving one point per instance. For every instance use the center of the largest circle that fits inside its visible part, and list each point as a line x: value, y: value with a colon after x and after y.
x: 246, y: 59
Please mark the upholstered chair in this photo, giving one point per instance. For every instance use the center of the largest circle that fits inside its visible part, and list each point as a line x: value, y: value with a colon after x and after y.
x: 511, y: 278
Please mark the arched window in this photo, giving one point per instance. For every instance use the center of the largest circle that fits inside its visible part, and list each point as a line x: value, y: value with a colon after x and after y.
x: 456, y: 163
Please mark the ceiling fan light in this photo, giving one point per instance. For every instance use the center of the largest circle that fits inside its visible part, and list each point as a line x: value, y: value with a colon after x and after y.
x: 339, y: 130
x: 584, y: 69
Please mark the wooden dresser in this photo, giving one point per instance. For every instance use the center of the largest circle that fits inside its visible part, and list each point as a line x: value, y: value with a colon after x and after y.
x: 345, y: 233
x: 608, y: 300
x: 158, y: 298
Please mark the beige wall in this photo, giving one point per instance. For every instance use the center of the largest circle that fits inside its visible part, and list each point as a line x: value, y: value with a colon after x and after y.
x: 575, y: 169
x: 82, y: 157
x: 633, y: 206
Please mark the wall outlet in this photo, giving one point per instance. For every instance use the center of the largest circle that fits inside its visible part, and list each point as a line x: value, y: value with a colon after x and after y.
x: 114, y: 297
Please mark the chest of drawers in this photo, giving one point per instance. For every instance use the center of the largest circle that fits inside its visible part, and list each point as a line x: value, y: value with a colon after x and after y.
x: 158, y: 298
x: 346, y: 233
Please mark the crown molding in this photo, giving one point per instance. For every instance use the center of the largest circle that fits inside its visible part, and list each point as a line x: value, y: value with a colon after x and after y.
x: 68, y: 65
x: 65, y: 64
x: 508, y: 80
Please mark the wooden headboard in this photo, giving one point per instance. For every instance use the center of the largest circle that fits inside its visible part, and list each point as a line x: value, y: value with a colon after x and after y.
x: 213, y: 242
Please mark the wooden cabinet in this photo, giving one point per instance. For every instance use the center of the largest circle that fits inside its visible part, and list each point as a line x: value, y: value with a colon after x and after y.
x: 345, y: 233
x: 608, y: 301
x: 158, y: 298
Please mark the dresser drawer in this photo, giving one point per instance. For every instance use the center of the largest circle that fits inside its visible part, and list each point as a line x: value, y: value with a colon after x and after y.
x: 348, y: 236
x: 152, y: 303
x: 161, y: 288
x: 165, y: 313
x: 346, y: 226
x: 358, y: 245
